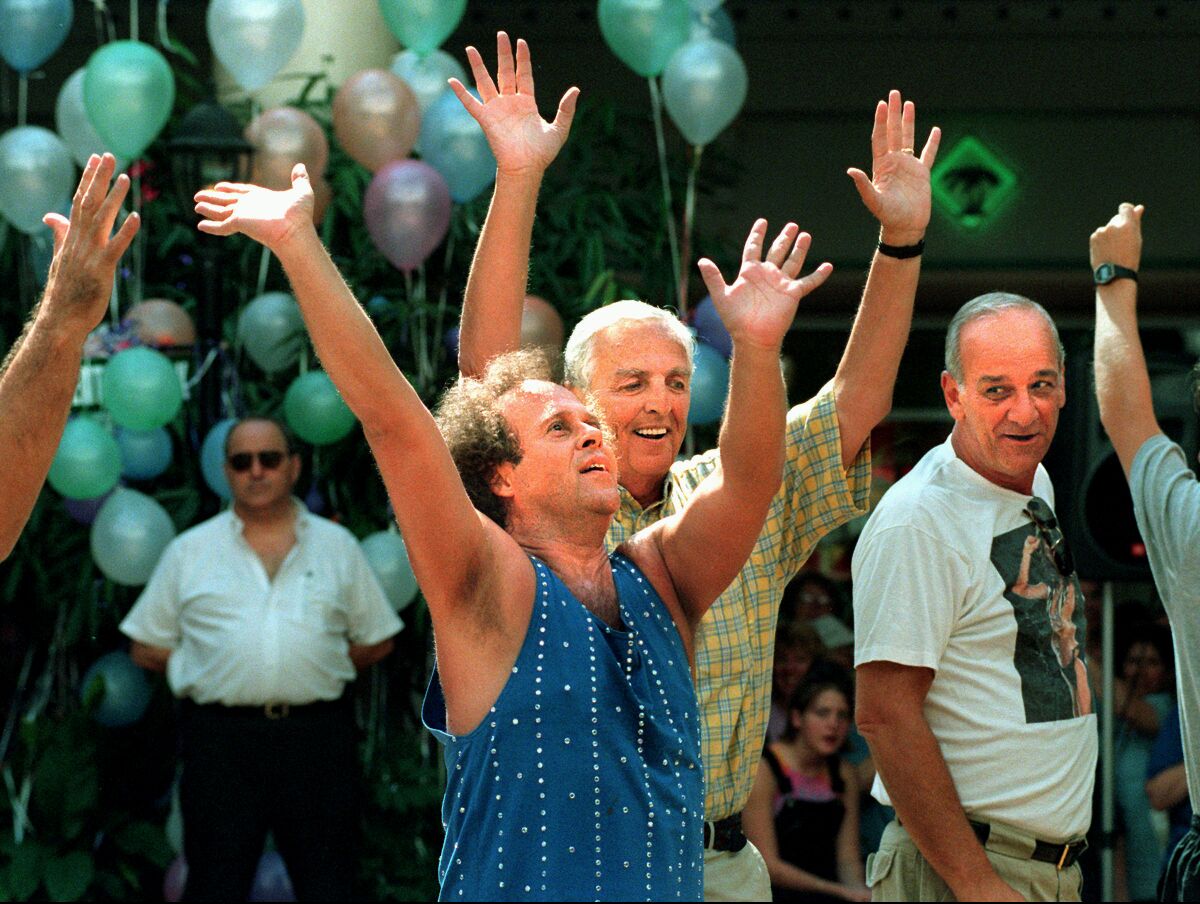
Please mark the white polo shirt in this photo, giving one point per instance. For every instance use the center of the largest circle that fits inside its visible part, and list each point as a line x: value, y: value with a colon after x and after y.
x: 241, y: 639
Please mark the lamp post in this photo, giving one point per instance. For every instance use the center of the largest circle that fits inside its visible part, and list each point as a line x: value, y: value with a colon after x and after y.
x: 207, y: 147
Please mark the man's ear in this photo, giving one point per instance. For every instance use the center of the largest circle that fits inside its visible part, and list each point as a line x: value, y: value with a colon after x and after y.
x: 501, y: 482
x: 950, y: 393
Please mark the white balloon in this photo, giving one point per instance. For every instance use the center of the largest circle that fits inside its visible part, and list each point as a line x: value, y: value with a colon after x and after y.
x: 388, y: 558
x: 36, y: 176
x: 74, y: 127
x: 255, y: 39
x: 129, y: 535
x: 427, y: 75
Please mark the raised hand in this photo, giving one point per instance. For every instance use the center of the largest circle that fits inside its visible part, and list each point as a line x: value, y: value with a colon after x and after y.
x: 1119, y: 241
x: 85, y: 250
x: 507, y: 110
x: 897, y: 192
x: 760, y: 305
x: 269, y: 217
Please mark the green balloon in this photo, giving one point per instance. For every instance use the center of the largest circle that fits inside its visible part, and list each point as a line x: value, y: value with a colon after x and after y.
x: 128, y: 91
x: 141, y: 389
x: 315, y: 410
x: 422, y: 25
x: 644, y: 33
x: 88, y: 461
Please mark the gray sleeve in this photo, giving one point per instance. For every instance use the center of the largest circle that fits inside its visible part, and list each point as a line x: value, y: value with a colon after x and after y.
x: 1166, y: 503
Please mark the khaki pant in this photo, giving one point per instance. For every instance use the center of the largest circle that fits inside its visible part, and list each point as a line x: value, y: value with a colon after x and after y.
x: 898, y: 871
x: 736, y: 877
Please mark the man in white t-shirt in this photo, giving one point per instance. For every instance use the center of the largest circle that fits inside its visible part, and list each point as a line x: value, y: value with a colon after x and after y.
x: 969, y: 629
x: 260, y: 617
x: 1166, y: 496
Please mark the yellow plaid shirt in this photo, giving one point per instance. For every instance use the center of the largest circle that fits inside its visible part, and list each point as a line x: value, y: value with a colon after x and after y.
x: 735, y: 644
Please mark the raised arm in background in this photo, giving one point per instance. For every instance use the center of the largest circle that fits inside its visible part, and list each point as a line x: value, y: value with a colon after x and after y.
x: 39, y: 375
x: 524, y: 145
x: 898, y: 195
x: 706, y: 544
x: 1122, y: 382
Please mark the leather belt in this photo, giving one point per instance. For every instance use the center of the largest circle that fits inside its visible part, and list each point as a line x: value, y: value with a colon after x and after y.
x: 1063, y: 856
x: 271, y: 711
x: 725, y: 834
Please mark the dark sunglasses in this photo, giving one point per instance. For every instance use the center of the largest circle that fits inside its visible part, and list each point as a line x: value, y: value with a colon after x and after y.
x: 1047, y: 525
x: 269, y: 460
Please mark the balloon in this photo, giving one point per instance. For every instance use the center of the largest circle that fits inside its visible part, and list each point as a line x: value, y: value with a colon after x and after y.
x: 162, y: 323
x: 322, y: 197
x: 254, y: 39
x: 704, y: 87
x: 283, y: 137
x: 36, y: 176
x: 704, y: 6
x: 33, y: 30
x: 125, y: 692
x: 141, y: 389
x: 376, y: 117
x: 453, y: 143
x: 450, y: 340
x: 427, y: 73
x: 422, y: 25
x: 315, y: 410
x: 129, y: 535
x: 388, y: 558
x: 144, y: 453
x: 71, y: 121
x: 717, y: 24
x: 88, y: 461
x: 271, y: 881
x: 128, y: 91
x: 407, y: 211
x: 314, y: 501
x: 541, y: 324
x: 271, y: 331
x: 175, y: 880
x: 644, y: 33
x: 84, y: 511
x: 710, y: 383
x: 212, y: 458
x: 709, y: 327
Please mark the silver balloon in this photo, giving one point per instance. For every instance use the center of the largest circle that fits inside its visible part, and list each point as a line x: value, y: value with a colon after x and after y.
x: 129, y: 535
x: 388, y: 558
x: 74, y: 127
x: 704, y: 87
x: 36, y: 176
x: 255, y: 39
x: 427, y: 75
x: 271, y: 330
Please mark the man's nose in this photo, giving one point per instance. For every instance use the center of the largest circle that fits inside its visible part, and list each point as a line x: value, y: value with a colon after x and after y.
x: 1023, y: 410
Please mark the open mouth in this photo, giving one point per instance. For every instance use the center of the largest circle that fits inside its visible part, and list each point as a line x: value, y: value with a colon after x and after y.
x: 1021, y: 437
x: 593, y: 468
x: 651, y: 432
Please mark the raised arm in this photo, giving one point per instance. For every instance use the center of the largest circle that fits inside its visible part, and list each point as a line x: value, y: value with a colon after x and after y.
x: 706, y: 545
x: 39, y: 375
x: 448, y: 541
x: 1122, y: 382
x: 524, y: 145
x: 898, y: 195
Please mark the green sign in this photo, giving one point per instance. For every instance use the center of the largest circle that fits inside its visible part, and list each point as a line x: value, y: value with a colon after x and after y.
x: 972, y: 184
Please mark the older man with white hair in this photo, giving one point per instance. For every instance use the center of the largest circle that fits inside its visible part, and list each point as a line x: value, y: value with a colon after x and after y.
x: 636, y: 361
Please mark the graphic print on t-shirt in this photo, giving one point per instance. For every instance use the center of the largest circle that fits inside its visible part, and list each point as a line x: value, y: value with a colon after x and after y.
x: 1050, y: 627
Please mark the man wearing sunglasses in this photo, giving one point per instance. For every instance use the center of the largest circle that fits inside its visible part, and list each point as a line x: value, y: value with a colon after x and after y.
x: 1166, y: 497
x: 260, y: 617
x: 972, y: 688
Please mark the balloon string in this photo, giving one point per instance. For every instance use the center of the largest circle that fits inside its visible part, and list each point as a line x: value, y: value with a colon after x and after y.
x: 22, y: 99
x: 665, y: 177
x: 303, y: 359
x: 105, y: 29
x: 263, y: 264
x: 689, y: 222
x: 133, y: 20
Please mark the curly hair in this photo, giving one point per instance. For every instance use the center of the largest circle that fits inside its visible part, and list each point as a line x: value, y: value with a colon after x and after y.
x: 478, y: 435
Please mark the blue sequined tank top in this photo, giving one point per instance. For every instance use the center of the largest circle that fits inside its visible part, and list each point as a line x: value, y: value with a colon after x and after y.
x: 583, y: 783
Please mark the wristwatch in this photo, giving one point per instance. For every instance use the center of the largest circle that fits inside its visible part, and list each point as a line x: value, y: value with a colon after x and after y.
x: 1106, y: 273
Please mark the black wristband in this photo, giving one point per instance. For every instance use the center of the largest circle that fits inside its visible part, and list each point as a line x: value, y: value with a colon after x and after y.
x: 903, y: 252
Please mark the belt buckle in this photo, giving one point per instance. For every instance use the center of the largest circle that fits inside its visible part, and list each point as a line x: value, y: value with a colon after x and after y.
x: 275, y: 710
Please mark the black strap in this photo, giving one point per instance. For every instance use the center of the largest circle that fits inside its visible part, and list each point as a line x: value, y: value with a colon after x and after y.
x: 781, y: 778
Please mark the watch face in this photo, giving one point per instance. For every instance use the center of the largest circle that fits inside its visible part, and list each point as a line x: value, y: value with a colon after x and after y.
x: 1104, y: 274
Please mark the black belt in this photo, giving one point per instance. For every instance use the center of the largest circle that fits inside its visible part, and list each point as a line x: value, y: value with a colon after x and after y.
x: 1062, y: 856
x: 725, y: 834
x: 271, y: 711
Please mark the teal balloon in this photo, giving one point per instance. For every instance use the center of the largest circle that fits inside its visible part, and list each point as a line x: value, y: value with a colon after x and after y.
x: 37, y: 176
x: 453, y: 143
x: 145, y: 454
x: 422, y: 25
x: 271, y: 331
x: 72, y: 123
x: 212, y: 458
x: 710, y: 385
x: 88, y: 461
x: 141, y: 389
x: 255, y: 39
x: 644, y: 33
x: 427, y: 73
x: 717, y: 24
x: 122, y: 690
x: 388, y: 558
x: 32, y: 30
x: 315, y: 411
x: 128, y: 91
x: 704, y: 87
x: 704, y: 6
x: 129, y: 535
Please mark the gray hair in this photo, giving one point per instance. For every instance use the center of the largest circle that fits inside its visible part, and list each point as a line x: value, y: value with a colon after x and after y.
x: 577, y: 358
x: 986, y: 306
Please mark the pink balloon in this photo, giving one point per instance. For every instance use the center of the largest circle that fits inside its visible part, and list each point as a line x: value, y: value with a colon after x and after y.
x: 407, y: 211
x: 541, y: 324
x: 175, y: 880
x: 283, y: 137
x: 376, y: 117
